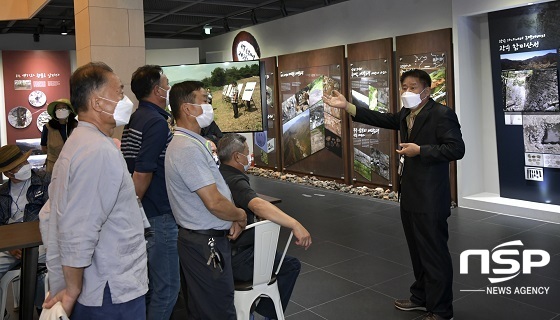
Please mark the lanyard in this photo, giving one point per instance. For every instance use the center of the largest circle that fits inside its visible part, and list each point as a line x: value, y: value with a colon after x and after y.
x: 190, y: 136
x: 16, y: 202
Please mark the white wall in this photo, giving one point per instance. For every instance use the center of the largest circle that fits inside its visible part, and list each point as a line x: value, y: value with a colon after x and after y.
x: 347, y: 22
x: 169, y: 57
x: 478, y: 183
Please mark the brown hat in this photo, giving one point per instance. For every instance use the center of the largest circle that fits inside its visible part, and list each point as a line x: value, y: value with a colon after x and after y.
x: 52, y: 105
x: 11, y: 157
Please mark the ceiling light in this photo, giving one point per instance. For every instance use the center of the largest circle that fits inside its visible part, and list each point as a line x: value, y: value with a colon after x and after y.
x: 207, y: 29
x: 63, y: 28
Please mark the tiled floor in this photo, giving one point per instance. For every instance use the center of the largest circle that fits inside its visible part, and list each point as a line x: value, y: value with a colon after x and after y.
x: 358, y: 263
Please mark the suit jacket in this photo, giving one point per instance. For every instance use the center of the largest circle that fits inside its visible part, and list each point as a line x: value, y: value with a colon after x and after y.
x: 424, y: 184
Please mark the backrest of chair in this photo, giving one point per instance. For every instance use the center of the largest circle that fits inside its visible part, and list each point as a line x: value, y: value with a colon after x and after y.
x: 266, y: 241
x: 284, y: 252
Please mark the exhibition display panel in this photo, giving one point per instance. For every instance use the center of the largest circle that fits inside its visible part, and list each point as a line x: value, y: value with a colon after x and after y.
x: 32, y: 79
x: 524, y: 59
x: 371, y: 85
x: 314, y: 135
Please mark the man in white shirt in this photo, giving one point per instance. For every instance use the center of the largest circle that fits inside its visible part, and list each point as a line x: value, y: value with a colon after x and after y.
x: 96, y: 248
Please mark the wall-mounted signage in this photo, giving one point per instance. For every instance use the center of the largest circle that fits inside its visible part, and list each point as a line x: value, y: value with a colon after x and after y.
x: 245, y: 47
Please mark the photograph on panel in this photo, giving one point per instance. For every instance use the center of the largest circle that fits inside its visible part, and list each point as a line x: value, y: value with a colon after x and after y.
x: 530, y: 81
x: 317, y: 139
x: 289, y: 109
x: 330, y: 84
x: 380, y: 163
x: 333, y: 143
x: 362, y: 163
x: 434, y: 64
x: 316, y: 117
x: 377, y: 99
x: 333, y: 124
x: 296, y: 139
x: 541, y: 133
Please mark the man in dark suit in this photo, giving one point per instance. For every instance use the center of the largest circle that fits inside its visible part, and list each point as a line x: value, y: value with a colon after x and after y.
x: 431, y: 138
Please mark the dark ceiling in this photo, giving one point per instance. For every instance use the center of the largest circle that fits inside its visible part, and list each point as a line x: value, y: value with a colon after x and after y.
x: 175, y: 19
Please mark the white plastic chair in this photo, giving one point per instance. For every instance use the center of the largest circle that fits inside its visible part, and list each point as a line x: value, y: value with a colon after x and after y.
x: 12, y: 275
x: 264, y: 280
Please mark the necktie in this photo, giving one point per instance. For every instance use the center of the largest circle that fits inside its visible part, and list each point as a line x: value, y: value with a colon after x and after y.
x: 411, y: 122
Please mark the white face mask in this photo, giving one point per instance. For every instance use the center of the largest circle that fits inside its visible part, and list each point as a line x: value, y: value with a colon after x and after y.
x: 62, y: 113
x: 411, y: 100
x: 24, y: 173
x: 246, y: 166
x: 216, y: 159
x: 166, y: 95
x: 206, y: 117
x: 122, y: 112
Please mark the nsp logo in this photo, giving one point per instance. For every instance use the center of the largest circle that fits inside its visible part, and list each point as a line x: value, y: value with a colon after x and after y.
x: 498, y: 256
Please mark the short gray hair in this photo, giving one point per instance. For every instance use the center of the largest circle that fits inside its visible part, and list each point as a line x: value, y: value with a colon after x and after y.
x: 230, y: 143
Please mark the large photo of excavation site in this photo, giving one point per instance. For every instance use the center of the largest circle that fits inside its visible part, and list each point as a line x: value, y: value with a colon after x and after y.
x: 296, y: 139
x: 530, y: 81
x: 309, y: 126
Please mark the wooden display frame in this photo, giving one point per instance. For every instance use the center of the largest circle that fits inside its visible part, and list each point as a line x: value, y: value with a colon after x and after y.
x: 381, y: 49
x: 321, y: 164
x: 434, y: 41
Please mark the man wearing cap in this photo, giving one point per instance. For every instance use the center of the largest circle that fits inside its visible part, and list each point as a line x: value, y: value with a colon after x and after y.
x: 56, y: 131
x: 21, y: 198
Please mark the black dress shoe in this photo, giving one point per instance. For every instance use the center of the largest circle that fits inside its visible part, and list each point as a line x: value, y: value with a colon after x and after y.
x: 407, y: 305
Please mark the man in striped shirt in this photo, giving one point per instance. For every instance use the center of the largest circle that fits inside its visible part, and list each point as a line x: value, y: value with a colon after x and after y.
x: 144, y: 143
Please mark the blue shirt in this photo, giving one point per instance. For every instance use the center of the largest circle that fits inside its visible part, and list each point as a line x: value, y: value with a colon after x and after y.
x: 144, y: 144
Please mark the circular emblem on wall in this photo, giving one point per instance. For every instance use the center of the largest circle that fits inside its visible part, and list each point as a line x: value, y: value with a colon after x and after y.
x: 245, y: 47
x: 19, y: 117
x: 37, y: 98
x: 42, y: 120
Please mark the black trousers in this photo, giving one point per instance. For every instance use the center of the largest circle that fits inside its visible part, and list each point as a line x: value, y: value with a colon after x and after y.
x: 210, y: 292
x: 427, y: 235
x: 235, y: 110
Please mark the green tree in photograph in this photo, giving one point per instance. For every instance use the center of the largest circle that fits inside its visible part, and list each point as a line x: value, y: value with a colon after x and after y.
x: 218, y: 77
